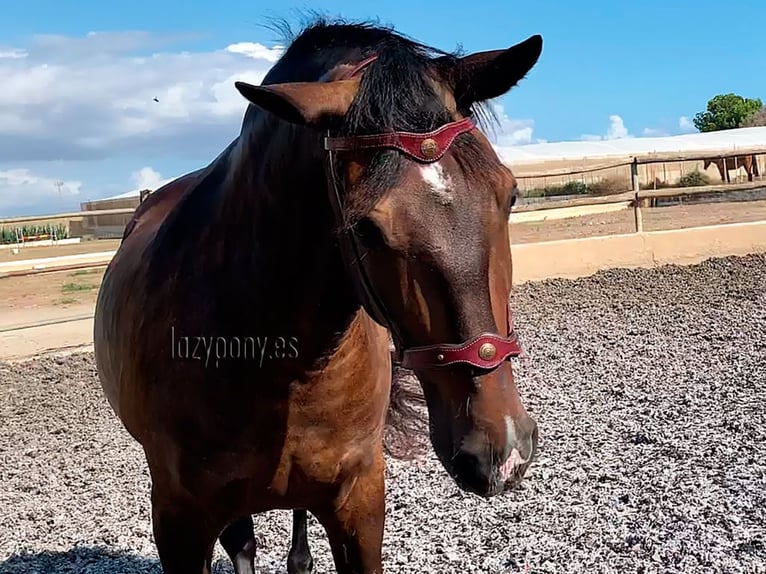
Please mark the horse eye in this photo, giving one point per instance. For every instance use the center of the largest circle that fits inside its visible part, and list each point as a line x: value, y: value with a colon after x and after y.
x: 369, y: 234
x: 515, y: 195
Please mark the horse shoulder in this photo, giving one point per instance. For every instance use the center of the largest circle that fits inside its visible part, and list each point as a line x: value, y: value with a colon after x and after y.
x: 337, y: 420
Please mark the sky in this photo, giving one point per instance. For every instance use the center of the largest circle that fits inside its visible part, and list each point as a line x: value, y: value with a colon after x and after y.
x: 78, y: 120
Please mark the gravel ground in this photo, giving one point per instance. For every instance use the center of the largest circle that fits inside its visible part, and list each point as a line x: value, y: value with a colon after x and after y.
x: 649, y: 387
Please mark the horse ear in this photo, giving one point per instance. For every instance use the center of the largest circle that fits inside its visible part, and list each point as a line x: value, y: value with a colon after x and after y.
x: 303, y: 103
x: 488, y: 75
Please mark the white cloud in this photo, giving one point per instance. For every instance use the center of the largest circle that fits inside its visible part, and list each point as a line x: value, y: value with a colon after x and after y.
x: 21, y: 187
x: 686, y: 125
x: 256, y: 51
x: 90, y: 101
x: 148, y: 178
x: 616, y: 130
x: 93, y: 97
x: 654, y: 132
x: 12, y: 54
x: 512, y: 131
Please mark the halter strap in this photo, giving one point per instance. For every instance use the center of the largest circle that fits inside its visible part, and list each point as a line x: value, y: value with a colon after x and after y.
x: 426, y: 147
x: 486, y: 351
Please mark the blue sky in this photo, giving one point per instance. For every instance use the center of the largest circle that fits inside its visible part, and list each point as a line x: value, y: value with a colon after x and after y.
x: 608, y: 69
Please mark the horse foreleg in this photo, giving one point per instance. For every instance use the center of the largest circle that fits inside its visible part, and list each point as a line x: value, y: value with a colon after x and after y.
x: 354, y: 524
x: 238, y: 540
x: 183, y: 534
x: 299, y: 560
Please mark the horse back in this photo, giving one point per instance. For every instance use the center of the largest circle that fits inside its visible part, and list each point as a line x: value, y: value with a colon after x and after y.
x: 153, y: 210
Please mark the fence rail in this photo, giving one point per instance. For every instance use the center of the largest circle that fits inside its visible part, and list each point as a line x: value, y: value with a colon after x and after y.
x: 71, y: 215
x: 625, y: 161
x: 641, y: 194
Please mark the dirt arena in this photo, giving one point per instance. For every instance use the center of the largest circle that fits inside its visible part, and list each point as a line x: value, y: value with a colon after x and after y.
x: 649, y: 387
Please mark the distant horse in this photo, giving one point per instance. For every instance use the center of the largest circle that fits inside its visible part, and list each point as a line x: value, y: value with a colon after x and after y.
x: 241, y: 328
x: 749, y: 162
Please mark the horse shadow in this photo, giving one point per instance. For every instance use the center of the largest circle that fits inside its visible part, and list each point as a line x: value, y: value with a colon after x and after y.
x: 91, y: 560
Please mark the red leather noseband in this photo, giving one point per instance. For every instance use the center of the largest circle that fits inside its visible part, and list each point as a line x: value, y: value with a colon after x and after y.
x: 486, y: 351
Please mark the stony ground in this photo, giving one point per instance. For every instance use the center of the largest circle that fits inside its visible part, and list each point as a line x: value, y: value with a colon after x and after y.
x: 650, y: 391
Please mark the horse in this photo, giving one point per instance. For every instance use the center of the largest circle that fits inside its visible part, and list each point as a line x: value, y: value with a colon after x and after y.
x: 749, y: 162
x: 241, y: 331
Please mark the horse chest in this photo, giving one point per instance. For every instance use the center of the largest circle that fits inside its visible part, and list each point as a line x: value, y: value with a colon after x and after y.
x: 331, y: 436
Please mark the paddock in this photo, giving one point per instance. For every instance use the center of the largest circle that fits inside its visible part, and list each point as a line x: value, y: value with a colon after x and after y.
x: 649, y: 386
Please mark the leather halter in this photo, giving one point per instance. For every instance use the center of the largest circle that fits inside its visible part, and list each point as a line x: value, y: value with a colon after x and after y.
x: 485, y: 351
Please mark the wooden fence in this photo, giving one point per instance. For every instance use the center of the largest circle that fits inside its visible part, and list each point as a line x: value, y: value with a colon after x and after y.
x: 608, y: 175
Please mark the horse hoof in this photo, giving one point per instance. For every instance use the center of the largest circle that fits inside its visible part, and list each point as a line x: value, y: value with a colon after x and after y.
x: 300, y: 565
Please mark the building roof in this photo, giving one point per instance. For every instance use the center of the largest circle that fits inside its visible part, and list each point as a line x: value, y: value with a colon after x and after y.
x: 127, y: 194
x: 724, y: 141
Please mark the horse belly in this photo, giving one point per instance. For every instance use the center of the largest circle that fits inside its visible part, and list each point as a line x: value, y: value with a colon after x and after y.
x: 115, y: 322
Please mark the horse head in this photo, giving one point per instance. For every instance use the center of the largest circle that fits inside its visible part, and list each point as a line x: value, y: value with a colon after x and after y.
x: 422, y: 203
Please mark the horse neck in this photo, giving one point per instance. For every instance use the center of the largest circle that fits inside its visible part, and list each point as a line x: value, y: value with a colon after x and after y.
x: 277, y: 230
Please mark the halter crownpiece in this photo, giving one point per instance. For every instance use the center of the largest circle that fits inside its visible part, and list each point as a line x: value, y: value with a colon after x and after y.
x: 425, y: 147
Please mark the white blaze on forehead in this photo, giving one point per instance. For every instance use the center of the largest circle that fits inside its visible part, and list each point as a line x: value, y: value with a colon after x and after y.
x: 438, y: 181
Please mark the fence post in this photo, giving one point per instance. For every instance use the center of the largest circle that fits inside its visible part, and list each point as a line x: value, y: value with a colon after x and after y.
x: 638, y: 217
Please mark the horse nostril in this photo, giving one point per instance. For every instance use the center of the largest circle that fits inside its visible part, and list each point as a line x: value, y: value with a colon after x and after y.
x: 471, y: 472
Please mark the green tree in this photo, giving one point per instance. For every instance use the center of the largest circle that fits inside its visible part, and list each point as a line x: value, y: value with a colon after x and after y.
x: 726, y: 112
x: 755, y: 120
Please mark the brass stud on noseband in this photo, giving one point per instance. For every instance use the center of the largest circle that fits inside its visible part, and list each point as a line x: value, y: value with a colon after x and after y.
x: 487, y: 351
x: 429, y: 147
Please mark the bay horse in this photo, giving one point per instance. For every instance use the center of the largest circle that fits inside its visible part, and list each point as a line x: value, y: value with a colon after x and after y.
x: 749, y: 162
x: 241, y: 330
